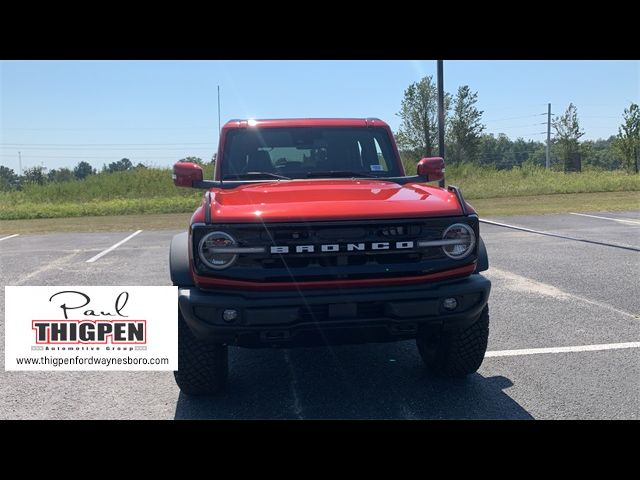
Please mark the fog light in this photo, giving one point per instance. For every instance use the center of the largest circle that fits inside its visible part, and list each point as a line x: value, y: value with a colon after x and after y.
x: 450, y: 303
x: 229, y: 315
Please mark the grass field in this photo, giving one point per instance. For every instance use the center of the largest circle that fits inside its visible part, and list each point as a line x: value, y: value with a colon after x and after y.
x: 486, y: 207
x: 558, y: 203
x: 123, y: 193
x: 151, y: 191
x: 486, y: 182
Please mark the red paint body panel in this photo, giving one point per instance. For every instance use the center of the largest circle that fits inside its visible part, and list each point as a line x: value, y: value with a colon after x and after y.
x: 333, y: 199
x: 213, y: 282
x: 304, y: 122
x: 185, y: 173
x: 431, y: 167
x: 198, y: 215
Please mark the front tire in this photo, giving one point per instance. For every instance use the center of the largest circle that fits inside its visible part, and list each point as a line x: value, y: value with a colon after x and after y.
x: 459, y: 353
x: 203, y: 368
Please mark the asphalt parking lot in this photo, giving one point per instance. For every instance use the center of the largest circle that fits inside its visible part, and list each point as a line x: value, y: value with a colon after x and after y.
x: 548, y: 292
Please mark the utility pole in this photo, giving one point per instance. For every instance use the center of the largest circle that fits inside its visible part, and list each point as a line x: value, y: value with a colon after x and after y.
x: 441, y: 113
x: 19, y: 163
x: 548, y: 152
x: 219, y: 111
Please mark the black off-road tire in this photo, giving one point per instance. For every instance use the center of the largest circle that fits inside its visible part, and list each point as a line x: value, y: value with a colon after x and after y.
x: 459, y: 353
x: 203, y: 368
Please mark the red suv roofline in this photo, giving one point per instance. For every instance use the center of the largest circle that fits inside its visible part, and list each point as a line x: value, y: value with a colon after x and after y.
x: 305, y: 122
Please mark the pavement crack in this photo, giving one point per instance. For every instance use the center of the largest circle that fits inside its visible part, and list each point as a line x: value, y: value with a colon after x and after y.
x: 297, y: 406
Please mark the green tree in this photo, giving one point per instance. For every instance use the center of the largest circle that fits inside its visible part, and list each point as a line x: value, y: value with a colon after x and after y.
x: 505, y: 153
x: 628, y: 140
x: 567, y: 136
x: 497, y: 150
x: 600, y: 154
x: 8, y: 178
x: 419, y: 114
x: 120, y: 166
x: 465, y: 126
x: 61, y: 175
x: 35, y: 175
x: 83, y: 170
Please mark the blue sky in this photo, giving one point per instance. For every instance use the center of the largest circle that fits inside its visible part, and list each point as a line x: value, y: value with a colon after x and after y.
x: 58, y: 113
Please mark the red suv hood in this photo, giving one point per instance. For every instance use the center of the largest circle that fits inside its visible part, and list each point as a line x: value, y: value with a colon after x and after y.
x: 341, y: 199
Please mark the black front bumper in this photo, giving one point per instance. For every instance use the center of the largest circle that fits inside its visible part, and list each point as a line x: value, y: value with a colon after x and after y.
x: 335, y: 316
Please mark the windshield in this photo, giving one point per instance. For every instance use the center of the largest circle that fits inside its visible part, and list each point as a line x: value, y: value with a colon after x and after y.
x: 309, y: 152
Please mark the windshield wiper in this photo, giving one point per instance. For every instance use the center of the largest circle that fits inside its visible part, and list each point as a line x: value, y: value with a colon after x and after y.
x: 340, y: 173
x: 257, y: 174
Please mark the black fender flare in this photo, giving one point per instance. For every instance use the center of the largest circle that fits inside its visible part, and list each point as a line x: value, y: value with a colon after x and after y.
x: 483, y: 258
x: 179, y: 260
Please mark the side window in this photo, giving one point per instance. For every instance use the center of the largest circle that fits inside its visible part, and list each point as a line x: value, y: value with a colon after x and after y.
x: 361, y: 156
x: 371, y: 155
x: 380, y: 155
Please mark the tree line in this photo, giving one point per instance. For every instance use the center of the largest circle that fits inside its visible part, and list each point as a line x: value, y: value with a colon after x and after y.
x: 465, y: 140
x: 39, y: 175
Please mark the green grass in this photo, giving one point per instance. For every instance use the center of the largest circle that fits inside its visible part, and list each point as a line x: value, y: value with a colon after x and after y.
x: 117, y: 206
x: 486, y: 207
x: 118, y: 223
x: 151, y: 191
x: 145, y: 183
x: 145, y: 191
x: 558, y: 203
x: 487, y: 182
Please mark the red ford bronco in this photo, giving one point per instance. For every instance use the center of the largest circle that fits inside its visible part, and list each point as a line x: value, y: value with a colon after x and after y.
x: 311, y: 234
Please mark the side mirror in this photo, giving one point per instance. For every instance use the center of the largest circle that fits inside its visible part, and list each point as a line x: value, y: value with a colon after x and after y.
x: 185, y: 173
x: 432, y: 168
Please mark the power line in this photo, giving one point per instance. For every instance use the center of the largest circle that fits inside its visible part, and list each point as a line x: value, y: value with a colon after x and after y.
x: 108, y: 128
x: 516, y: 107
x: 548, y: 145
x: 89, y: 156
x: 76, y: 150
x: 513, y: 118
x: 520, y: 126
x: 99, y: 144
x: 441, y: 113
x: 219, y: 110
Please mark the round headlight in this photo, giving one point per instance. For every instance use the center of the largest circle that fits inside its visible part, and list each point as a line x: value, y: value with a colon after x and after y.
x: 462, y: 241
x: 211, y: 250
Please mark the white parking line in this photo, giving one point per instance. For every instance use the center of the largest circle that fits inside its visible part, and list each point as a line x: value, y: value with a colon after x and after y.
x: 113, y: 247
x: 10, y: 236
x: 557, y: 235
x: 626, y: 221
x: 579, y: 348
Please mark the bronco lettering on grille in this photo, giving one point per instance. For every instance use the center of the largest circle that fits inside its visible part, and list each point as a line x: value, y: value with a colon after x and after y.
x: 343, y: 247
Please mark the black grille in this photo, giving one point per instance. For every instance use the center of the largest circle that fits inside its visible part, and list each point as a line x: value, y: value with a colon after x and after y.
x: 319, y: 313
x: 357, y: 264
